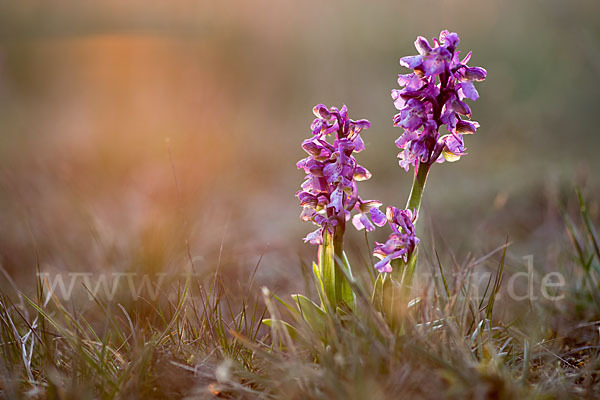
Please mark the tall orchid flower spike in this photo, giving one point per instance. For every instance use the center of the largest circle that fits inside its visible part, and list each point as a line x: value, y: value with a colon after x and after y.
x: 431, y: 97
x: 329, y: 193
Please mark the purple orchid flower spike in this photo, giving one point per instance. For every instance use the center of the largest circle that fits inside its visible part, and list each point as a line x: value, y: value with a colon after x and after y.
x: 329, y: 192
x: 329, y: 195
x: 432, y: 96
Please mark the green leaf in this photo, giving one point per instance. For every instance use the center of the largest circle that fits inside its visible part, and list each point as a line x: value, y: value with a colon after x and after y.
x: 347, y: 293
x: 277, y: 324
x: 312, y: 313
x: 288, y: 306
x: 319, y: 284
x: 398, y: 268
x: 408, y: 276
x: 377, y: 296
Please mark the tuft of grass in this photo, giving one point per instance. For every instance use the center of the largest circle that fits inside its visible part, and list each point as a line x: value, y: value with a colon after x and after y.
x: 202, y: 337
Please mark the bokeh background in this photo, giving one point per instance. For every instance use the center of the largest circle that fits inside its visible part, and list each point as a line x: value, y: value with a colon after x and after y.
x: 131, y: 128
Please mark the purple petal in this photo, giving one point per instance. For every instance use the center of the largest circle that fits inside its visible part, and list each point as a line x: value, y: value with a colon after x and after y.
x: 316, y: 150
x: 359, y: 145
x: 449, y: 39
x: 330, y: 128
x: 399, y: 102
x: 422, y: 45
x: 435, y: 63
x: 361, y: 173
x: 411, y: 62
x: 467, y: 89
x: 307, y: 213
x: 411, y: 81
x: 302, y: 163
x: 461, y: 107
x: 344, y: 113
x: 467, y: 58
x: 406, y: 137
x: 364, y: 206
x: 406, y: 159
x: 412, y: 116
x: 321, y: 111
x: 322, y: 201
x: 450, y: 118
x: 455, y: 147
x: 466, y: 127
x: 307, y: 199
x: 317, y: 126
x: 314, y: 167
x: 320, y: 220
x: 384, y: 265
x: 356, y: 221
x: 313, y: 183
x: 378, y: 217
x: 361, y: 221
x: 361, y: 124
x: 475, y: 73
x: 337, y: 200
x: 345, y: 146
x: 332, y: 171
x: 315, y: 237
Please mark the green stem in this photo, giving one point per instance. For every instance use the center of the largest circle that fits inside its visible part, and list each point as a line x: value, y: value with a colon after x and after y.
x: 402, y: 272
x: 416, y: 193
x: 414, y: 204
x: 338, y: 253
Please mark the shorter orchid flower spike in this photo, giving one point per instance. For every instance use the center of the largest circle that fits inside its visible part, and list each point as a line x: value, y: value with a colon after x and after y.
x: 329, y: 193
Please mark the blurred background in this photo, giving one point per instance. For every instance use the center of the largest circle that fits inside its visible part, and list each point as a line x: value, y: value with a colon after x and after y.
x: 131, y: 128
